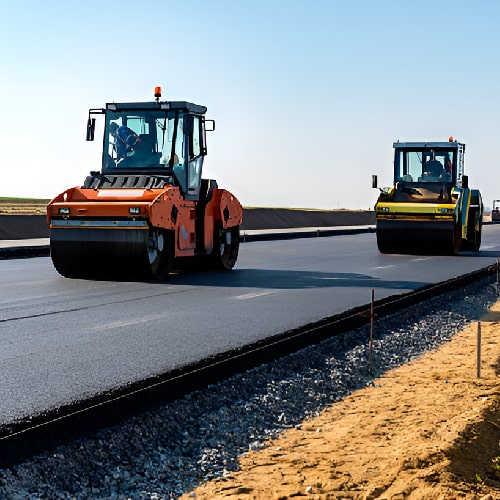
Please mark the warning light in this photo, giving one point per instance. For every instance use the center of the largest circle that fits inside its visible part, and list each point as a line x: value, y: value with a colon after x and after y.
x: 157, y: 92
x: 450, y: 138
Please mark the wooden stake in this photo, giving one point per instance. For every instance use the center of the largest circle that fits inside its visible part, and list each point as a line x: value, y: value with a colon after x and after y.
x: 371, y: 332
x: 478, y: 349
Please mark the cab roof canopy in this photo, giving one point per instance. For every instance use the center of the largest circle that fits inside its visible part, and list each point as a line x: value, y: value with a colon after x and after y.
x: 428, y: 145
x: 162, y: 105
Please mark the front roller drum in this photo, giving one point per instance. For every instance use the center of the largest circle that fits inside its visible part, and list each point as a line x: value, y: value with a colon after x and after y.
x: 112, y: 253
x: 418, y: 237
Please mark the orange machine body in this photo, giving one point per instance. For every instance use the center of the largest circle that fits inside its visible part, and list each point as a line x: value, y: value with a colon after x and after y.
x: 153, y: 206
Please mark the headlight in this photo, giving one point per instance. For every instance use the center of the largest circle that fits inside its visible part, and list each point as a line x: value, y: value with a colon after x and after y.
x: 64, y: 211
x: 134, y: 210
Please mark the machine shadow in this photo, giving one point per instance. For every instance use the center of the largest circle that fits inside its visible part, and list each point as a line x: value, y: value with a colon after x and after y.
x: 481, y: 253
x: 287, y: 279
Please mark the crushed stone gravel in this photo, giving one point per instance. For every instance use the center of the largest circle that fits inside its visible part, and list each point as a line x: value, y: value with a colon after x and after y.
x: 166, y: 452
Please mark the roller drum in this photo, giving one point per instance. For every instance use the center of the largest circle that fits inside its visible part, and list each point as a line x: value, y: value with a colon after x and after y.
x: 100, y: 253
x: 417, y: 237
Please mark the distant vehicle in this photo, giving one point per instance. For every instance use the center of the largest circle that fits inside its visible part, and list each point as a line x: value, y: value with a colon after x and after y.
x: 430, y: 207
x: 495, y: 211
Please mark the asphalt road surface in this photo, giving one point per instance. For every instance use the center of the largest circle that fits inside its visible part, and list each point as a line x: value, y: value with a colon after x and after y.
x: 63, y: 339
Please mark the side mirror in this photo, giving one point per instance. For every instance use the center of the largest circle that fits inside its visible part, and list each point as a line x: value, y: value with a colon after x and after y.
x: 209, y: 125
x: 465, y: 181
x: 90, y: 129
x: 374, y: 181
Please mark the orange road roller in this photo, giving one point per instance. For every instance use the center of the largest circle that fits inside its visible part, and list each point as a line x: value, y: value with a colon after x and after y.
x: 148, y: 207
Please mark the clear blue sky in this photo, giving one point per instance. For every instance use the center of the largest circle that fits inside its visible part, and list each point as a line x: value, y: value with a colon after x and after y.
x: 308, y: 96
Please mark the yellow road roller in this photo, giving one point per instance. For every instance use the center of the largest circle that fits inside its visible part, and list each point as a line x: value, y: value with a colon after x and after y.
x: 430, y: 207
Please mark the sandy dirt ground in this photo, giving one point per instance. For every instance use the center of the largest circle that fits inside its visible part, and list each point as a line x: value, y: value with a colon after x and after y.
x: 427, y: 430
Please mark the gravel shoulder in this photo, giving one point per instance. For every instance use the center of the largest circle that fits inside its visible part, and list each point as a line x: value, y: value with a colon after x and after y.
x: 429, y: 429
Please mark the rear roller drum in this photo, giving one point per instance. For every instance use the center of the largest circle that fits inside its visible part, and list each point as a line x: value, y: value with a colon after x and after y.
x: 226, y: 247
x: 476, y: 240
x: 473, y: 241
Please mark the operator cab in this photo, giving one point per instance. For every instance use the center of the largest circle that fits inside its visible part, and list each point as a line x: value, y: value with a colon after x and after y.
x: 437, y: 162
x: 163, y: 138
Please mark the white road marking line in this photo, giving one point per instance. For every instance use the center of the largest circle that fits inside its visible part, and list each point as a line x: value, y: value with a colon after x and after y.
x: 253, y: 295
x: 122, y: 324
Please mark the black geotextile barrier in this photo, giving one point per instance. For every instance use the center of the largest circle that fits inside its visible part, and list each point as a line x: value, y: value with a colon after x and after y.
x: 284, y: 218
x: 19, y: 227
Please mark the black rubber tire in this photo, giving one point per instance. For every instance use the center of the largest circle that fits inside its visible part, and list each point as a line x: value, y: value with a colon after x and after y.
x: 226, y: 247
x: 161, y: 252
